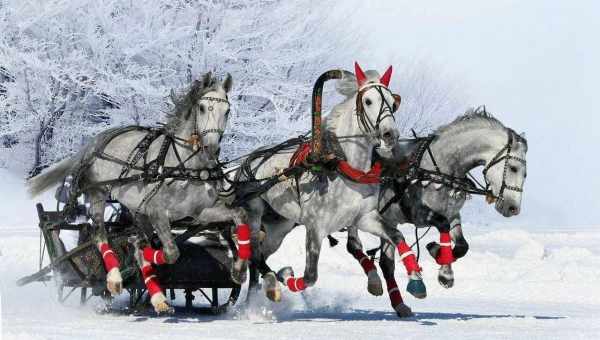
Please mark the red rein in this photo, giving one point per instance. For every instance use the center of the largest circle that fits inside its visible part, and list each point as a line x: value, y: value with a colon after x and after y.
x: 372, y: 176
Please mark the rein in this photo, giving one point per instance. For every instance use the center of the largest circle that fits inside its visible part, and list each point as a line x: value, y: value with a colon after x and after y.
x: 195, y: 139
x: 416, y: 173
x: 499, y: 157
x: 155, y: 170
x: 385, y: 110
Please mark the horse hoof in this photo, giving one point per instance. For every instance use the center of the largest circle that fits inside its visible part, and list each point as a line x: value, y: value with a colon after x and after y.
x: 403, y: 311
x: 171, y: 254
x: 238, y: 277
x: 272, y: 288
x: 285, y: 273
x: 446, y: 276
x: 238, y: 271
x: 374, y: 283
x: 415, y: 286
x: 159, y: 302
x: 114, y: 282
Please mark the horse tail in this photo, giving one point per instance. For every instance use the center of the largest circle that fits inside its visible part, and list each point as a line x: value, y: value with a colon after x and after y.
x: 53, y: 175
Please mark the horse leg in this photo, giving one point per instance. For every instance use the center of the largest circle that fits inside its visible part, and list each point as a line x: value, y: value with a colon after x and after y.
x: 270, y: 282
x: 444, y: 254
x: 155, y: 291
x: 373, y: 224
x: 275, y: 232
x: 461, y: 247
x: 354, y: 247
x: 253, y: 282
x: 114, y: 282
x: 221, y: 213
x: 386, y: 263
x: 314, y: 240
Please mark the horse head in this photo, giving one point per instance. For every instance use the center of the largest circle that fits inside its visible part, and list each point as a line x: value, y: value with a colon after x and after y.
x: 375, y: 104
x: 203, y: 112
x: 505, y: 175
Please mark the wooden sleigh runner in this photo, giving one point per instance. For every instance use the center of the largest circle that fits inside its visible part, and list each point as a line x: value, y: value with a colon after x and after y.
x: 207, y: 255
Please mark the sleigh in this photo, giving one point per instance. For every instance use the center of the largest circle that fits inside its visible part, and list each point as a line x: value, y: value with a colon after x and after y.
x: 207, y: 254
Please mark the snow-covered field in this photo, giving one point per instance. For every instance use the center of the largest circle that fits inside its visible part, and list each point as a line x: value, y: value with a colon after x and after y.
x: 521, y: 282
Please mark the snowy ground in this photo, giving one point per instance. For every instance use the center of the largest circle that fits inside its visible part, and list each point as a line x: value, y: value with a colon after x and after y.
x: 522, y: 282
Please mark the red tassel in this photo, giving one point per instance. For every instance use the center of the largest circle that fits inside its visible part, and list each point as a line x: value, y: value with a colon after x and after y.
x: 408, y: 258
x: 243, y: 235
x: 150, y: 279
x: 108, y: 257
x: 387, y: 76
x: 445, y: 255
x: 361, y: 78
x: 373, y: 176
x: 154, y: 256
x: 295, y: 285
x: 394, y: 292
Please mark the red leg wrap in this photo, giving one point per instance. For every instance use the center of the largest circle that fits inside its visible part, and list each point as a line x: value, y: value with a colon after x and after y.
x: 150, y: 279
x: 243, y: 235
x: 365, y: 262
x: 108, y: 257
x: 154, y: 256
x: 394, y: 292
x: 445, y: 254
x: 408, y: 258
x: 296, y: 285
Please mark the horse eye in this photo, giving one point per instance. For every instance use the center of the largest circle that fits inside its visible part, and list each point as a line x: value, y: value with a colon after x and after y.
x: 202, y: 109
x: 367, y: 101
x: 514, y: 169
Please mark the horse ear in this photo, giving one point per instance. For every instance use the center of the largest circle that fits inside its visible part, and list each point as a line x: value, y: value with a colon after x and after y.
x: 385, y: 79
x: 206, y: 79
x: 360, y: 75
x: 227, y: 83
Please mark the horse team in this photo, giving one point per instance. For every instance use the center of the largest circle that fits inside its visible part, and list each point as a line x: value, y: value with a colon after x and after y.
x: 375, y: 182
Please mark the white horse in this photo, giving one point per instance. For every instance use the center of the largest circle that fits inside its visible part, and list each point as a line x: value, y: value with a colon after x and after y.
x: 161, y: 175
x: 430, y: 195
x: 437, y: 189
x: 324, y: 202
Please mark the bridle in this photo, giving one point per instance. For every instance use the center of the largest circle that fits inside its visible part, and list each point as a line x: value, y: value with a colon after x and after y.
x: 417, y: 173
x: 506, y: 157
x: 385, y: 110
x: 195, y: 139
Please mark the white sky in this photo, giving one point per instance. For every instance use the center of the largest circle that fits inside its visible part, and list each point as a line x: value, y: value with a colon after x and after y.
x: 533, y: 64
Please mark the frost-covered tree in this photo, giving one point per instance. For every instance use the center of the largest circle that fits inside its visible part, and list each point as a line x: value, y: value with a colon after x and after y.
x: 70, y: 69
x: 430, y: 96
x: 81, y: 66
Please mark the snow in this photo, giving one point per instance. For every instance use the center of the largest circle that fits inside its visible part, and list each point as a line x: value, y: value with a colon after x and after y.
x: 516, y: 281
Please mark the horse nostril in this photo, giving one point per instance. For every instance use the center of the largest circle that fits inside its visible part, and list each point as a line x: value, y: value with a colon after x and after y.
x: 387, y: 135
x: 513, y: 210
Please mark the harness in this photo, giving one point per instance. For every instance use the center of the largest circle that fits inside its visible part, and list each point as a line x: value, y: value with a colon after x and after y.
x: 499, y: 157
x: 385, y: 110
x: 309, y: 157
x: 196, y: 137
x: 154, y: 170
x: 415, y: 173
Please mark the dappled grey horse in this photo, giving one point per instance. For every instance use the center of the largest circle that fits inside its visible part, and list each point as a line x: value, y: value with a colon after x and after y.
x: 432, y: 186
x: 364, y: 120
x: 161, y: 175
